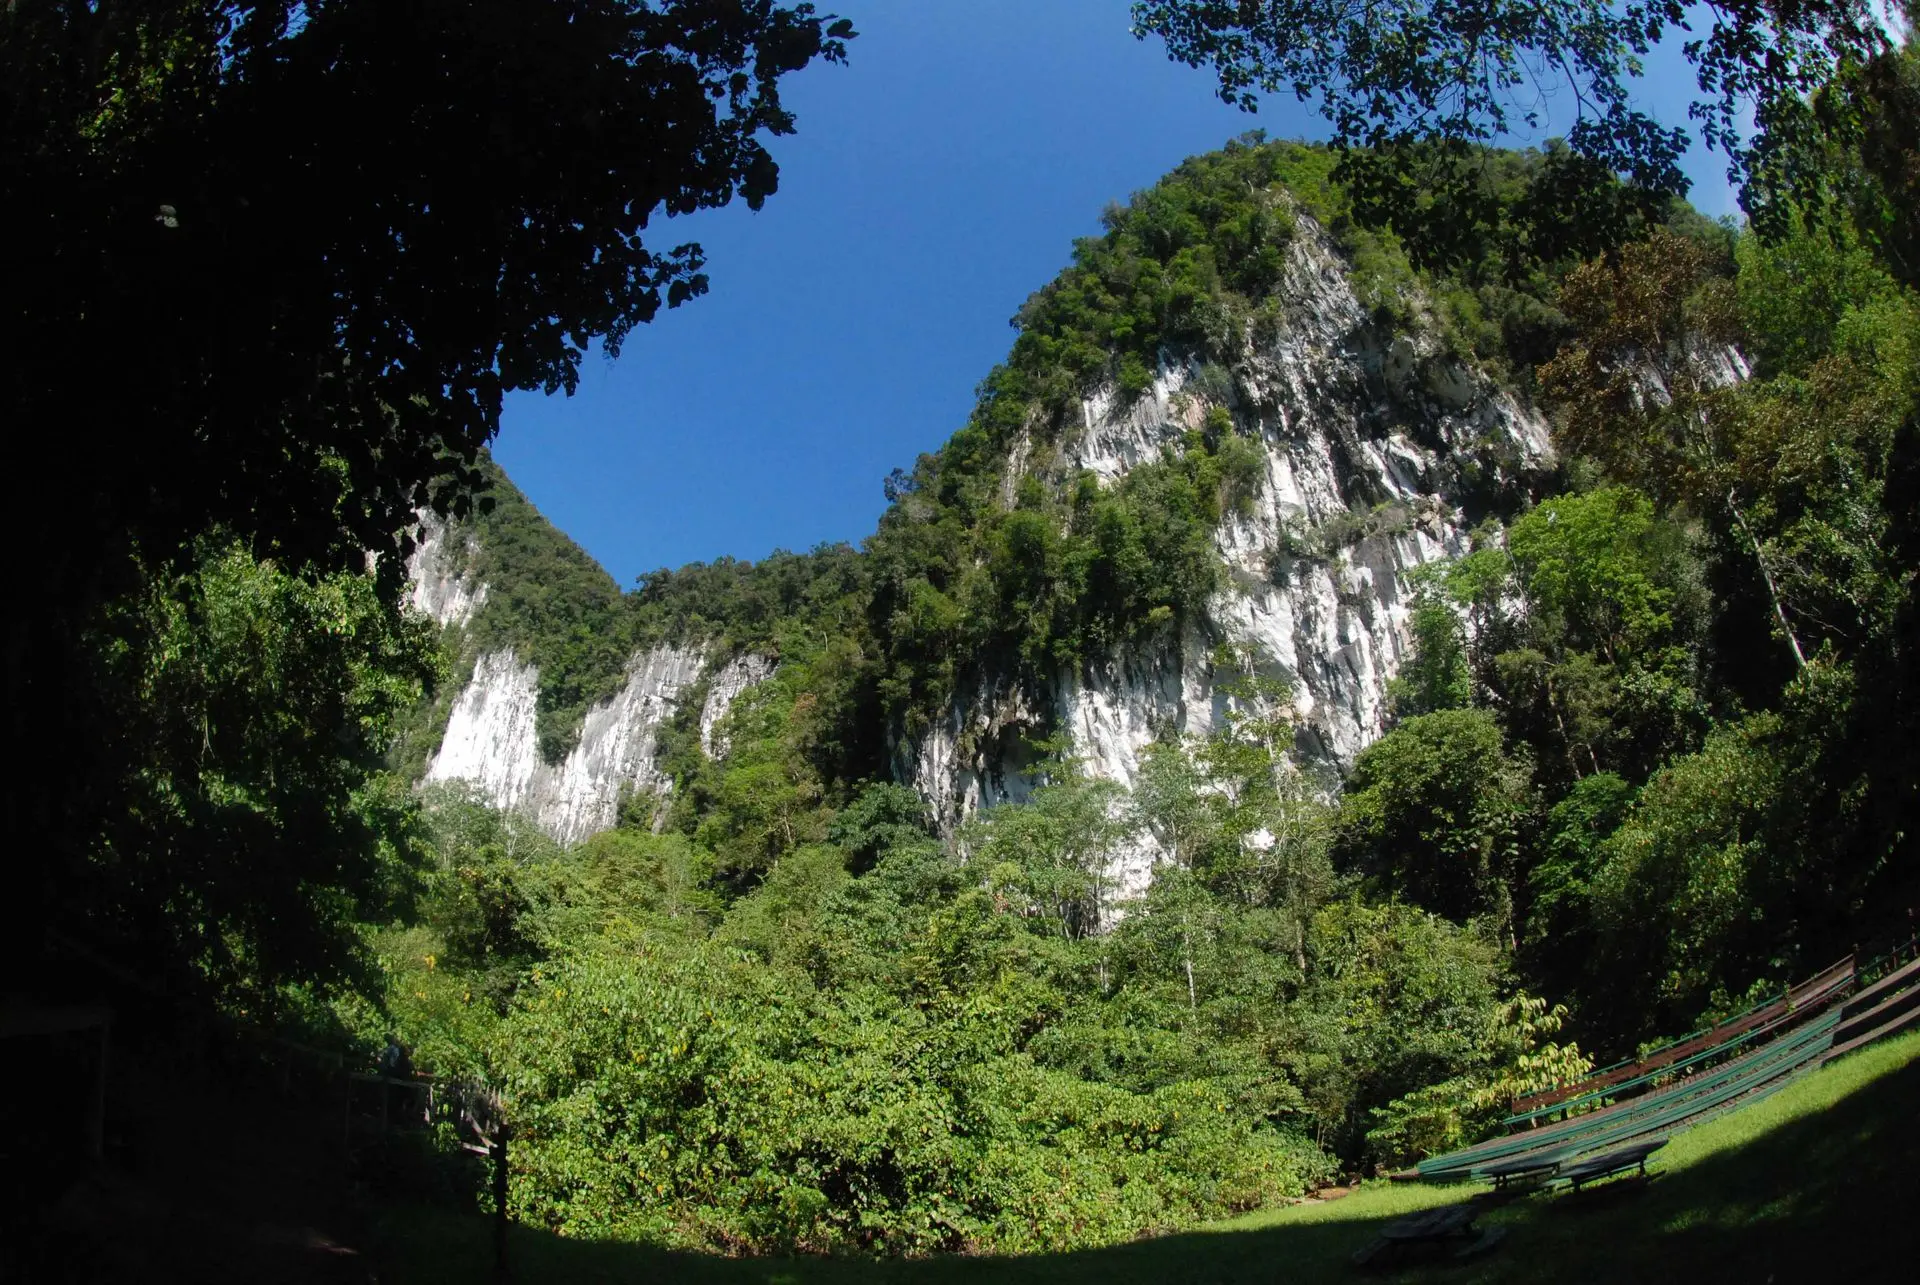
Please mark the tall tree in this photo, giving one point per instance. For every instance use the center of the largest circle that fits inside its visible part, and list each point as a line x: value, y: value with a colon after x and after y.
x: 272, y: 265
x: 1644, y: 387
x: 1422, y: 85
x: 1434, y: 811
x: 240, y: 821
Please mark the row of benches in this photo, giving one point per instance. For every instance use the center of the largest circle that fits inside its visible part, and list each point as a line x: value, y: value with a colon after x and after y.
x: 1771, y: 1014
x: 1685, y: 1102
x: 1780, y: 1016
x: 1733, y: 1064
x: 1682, y: 1083
x: 1888, y: 1006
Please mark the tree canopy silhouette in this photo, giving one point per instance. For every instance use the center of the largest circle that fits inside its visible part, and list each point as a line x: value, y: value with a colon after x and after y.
x: 272, y: 265
x: 1414, y: 90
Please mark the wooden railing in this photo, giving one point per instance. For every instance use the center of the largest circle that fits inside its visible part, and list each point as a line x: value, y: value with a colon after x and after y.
x: 1887, y: 1006
x: 1811, y: 994
x: 476, y: 1110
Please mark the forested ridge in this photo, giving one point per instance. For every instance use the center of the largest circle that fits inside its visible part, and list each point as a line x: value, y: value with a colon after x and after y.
x: 1642, y: 770
x: 1649, y: 758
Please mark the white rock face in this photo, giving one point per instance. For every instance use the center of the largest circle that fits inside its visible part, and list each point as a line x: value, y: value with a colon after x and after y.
x: 490, y: 737
x: 975, y: 757
x: 440, y: 574
x: 1371, y: 444
x: 1366, y: 435
x: 491, y: 741
x: 732, y: 678
x: 618, y: 746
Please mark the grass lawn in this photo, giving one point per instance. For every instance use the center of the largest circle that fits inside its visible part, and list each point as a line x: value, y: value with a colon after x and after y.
x: 1816, y: 1183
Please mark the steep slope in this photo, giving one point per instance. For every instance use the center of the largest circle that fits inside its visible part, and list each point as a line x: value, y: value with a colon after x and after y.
x: 1225, y: 440
x: 1374, y: 445
x: 561, y: 685
x: 563, y: 692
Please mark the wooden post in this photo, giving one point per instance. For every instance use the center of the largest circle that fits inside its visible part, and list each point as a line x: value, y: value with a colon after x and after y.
x: 97, y: 1102
x: 500, y: 1202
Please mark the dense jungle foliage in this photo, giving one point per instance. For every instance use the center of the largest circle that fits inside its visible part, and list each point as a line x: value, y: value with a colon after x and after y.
x: 1648, y: 761
x: 1651, y: 757
x: 271, y: 267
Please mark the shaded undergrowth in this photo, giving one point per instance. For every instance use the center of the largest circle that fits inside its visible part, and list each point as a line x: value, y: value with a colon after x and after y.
x: 1811, y: 1184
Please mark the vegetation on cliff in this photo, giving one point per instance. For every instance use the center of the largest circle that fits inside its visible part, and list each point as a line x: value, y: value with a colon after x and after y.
x: 1652, y: 755
x: 972, y: 572
x: 1643, y: 766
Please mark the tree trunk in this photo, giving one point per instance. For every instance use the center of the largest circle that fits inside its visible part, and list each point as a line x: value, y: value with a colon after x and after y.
x: 1186, y: 944
x: 1766, y: 574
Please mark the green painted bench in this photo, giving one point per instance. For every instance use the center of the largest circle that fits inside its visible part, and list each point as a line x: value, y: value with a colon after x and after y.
x: 1608, y: 1163
x: 1449, y: 1227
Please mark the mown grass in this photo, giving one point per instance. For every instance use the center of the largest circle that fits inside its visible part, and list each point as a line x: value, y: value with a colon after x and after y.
x: 1813, y: 1184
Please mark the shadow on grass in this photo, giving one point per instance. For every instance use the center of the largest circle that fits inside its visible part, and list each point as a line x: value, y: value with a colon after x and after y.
x: 1308, y: 1252
x: 1826, y: 1197
x: 1829, y: 1196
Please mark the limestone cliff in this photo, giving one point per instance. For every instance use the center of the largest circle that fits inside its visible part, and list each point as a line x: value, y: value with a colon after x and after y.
x: 1375, y: 443
x: 1372, y: 442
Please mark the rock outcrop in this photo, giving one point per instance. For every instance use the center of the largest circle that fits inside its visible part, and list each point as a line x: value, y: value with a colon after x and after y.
x: 1376, y: 447
x: 490, y: 738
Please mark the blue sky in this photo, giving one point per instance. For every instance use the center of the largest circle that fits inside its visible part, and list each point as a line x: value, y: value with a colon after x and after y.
x: 937, y: 180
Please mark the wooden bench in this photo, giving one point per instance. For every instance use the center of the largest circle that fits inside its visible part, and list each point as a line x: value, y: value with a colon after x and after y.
x: 1660, y: 1113
x: 1812, y: 994
x: 1605, y: 1165
x: 1443, y: 1228
x: 1525, y: 1171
